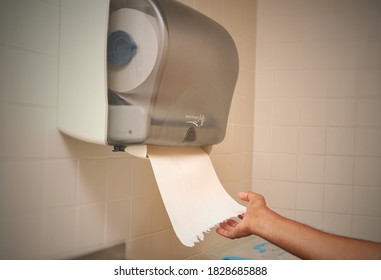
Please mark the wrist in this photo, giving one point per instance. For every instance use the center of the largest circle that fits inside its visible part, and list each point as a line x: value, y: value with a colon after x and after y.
x: 265, y: 223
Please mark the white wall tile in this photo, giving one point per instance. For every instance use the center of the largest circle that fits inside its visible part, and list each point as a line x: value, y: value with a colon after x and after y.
x: 367, y: 171
x: 216, y: 10
x: 264, y: 57
x: 310, y: 168
x: 265, y: 26
x: 314, y: 55
x: 57, y: 144
x: 5, y: 179
x: 309, y: 196
x: 179, y: 251
x: 287, y: 213
x: 219, y: 162
x: 338, y: 199
x: 329, y: 55
x: 3, y: 21
x: 60, y: 183
x: 315, y: 7
x: 3, y: 71
x: 340, y: 141
x: 261, y: 166
x: 367, y: 54
x: 286, y: 84
x: 118, y: 220
x: 21, y: 185
x: 368, y: 141
x: 92, y: 180
x: 346, y: 26
x: 139, y: 248
x: 264, y: 84
x: 160, y: 219
x: 312, y: 219
x: 342, y: 83
x: 59, y: 232
x: 315, y: 22
x: 141, y: 216
x: 30, y: 78
x: 314, y: 83
x: 239, y: 19
x: 369, y: 112
x: 202, y: 6
x: 229, y: 168
x: 285, y: 112
x: 369, y: 23
x: 143, y: 180
x: 366, y: 201
x: 337, y: 224
x: 311, y: 140
x: 292, y: 7
x: 263, y: 112
x: 339, y: 170
x: 369, y: 83
x: 341, y: 54
x: 161, y: 245
x: 261, y: 139
x: 119, y: 178
x: 326, y: 60
x: 26, y: 123
x: 25, y: 237
x: 90, y: 226
x: 95, y: 151
x: 341, y: 112
x: 282, y: 194
x: 367, y: 227
x: 287, y: 56
x: 261, y: 187
x: 284, y: 139
x: 283, y: 167
x: 313, y: 112
x: 287, y: 28
x: 32, y: 22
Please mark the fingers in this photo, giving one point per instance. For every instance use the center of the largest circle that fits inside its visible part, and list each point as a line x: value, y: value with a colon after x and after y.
x: 226, y: 228
x: 229, y: 224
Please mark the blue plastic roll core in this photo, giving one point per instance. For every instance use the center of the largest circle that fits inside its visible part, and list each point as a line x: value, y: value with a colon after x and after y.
x: 121, y: 48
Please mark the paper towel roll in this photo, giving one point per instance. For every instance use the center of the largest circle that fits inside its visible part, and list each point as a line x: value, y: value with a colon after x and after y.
x: 192, y: 193
x: 141, y: 28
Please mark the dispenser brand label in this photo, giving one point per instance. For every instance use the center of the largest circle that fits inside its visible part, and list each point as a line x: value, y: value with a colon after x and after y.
x: 197, y: 121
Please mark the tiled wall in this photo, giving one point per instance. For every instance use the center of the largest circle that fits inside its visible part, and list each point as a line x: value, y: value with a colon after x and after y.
x: 59, y: 197
x: 317, y: 134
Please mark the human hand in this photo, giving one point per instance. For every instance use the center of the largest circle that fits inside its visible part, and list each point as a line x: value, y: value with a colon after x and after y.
x: 250, y: 221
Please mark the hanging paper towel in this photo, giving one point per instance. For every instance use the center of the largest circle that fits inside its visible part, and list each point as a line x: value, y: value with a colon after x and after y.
x: 192, y: 193
x: 133, y: 28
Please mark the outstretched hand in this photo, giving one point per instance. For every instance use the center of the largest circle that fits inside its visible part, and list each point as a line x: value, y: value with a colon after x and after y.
x: 249, y: 221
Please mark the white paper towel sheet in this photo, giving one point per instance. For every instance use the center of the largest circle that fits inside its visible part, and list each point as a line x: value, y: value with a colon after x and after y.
x: 192, y: 193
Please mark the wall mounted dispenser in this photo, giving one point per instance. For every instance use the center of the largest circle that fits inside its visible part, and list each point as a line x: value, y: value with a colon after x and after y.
x: 144, y: 72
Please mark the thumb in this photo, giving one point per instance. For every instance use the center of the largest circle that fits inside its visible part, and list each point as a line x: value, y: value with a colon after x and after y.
x: 246, y: 196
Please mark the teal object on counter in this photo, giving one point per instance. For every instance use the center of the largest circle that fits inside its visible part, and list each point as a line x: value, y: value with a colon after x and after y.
x: 235, y: 258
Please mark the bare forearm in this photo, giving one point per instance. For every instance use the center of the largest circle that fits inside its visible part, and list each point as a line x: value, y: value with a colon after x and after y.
x: 309, y: 243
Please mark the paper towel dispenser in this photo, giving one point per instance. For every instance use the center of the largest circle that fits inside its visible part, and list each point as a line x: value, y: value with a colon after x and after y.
x: 144, y: 72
